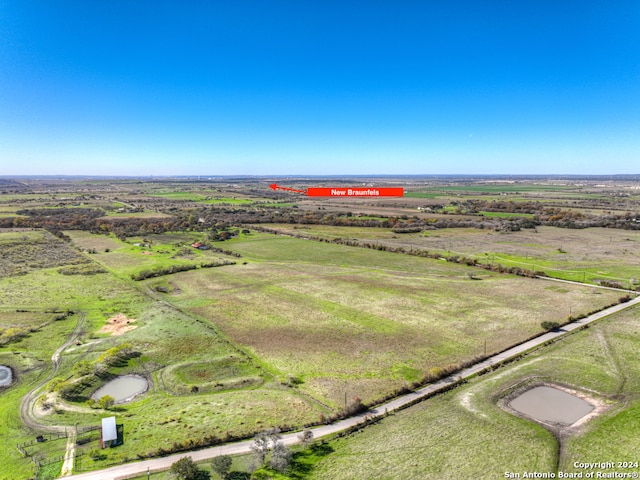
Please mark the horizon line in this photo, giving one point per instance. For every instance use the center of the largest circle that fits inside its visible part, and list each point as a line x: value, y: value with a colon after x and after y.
x: 359, y: 175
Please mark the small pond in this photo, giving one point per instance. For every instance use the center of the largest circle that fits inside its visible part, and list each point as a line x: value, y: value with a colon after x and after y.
x: 122, y: 389
x: 6, y: 377
x: 551, y: 405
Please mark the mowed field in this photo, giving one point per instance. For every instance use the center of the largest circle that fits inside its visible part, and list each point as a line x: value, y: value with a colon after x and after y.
x: 465, y: 434
x: 584, y: 255
x: 347, y: 320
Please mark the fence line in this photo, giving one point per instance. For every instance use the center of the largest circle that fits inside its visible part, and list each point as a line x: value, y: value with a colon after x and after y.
x: 46, y: 436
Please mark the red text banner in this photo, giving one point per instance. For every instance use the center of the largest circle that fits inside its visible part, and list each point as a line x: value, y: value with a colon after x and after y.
x: 355, y: 192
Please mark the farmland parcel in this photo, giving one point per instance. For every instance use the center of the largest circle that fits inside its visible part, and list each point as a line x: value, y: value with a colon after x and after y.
x: 293, y: 333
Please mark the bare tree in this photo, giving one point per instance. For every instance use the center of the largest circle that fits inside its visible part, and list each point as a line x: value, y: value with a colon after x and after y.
x: 263, y: 442
x: 261, y: 446
x: 306, y: 437
x: 280, y: 457
x: 274, y: 435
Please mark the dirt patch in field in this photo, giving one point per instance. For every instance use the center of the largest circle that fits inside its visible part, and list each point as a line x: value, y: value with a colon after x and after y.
x: 118, y: 324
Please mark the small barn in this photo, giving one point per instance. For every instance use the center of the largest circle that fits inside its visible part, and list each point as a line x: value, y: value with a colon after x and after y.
x: 109, y: 432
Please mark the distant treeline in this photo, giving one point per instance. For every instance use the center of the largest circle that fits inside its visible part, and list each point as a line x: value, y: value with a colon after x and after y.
x: 218, y: 219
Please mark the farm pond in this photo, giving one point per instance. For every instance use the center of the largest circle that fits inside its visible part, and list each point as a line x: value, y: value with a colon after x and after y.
x: 122, y: 389
x: 6, y: 377
x: 551, y: 405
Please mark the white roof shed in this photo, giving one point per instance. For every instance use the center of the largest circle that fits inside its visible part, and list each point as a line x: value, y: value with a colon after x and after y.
x: 109, y: 431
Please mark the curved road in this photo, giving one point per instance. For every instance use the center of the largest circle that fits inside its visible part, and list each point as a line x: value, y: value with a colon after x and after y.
x: 121, y: 472
x: 26, y: 404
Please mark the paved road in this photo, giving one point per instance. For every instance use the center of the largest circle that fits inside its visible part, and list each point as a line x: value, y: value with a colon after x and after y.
x: 581, y: 284
x: 121, y: 472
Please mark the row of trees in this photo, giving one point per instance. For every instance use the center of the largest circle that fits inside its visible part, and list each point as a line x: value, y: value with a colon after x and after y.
x: 270, y: 453
x: 161, y: 271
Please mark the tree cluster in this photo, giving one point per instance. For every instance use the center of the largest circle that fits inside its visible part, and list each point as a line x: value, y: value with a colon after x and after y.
x: 269, y: 442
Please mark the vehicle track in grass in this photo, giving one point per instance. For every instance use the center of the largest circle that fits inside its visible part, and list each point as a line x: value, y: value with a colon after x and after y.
x: 27, y: 415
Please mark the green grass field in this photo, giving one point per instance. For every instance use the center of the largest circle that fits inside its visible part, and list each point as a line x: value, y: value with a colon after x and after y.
x: 190, y: 196
x: 464, y: 434
x: 203, y: 197
x: 237, y: 396
x: 586, y: 255
x: 29, y: 358
x: 363, y: 321
x: 148, y: 253
x: 236, y: 349
x: 501, y: 187
x: 506, y: 215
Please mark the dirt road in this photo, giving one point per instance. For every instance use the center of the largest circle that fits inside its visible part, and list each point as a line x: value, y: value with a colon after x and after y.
x: 27, y: 403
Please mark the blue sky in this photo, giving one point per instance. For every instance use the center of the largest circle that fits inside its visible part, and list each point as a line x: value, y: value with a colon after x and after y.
x: 319, y: 87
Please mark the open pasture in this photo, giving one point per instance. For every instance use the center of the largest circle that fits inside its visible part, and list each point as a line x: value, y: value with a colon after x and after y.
x: 24, y: 319
x: 12, y: 203
x: 178, y: 353
x: 206, y: 197
x: 585, y: 255
x: 29, y: 358
x: 148, y: 253
x: 225, y: 373
x: 234, y: 394
x: 367, y: 322
x: 48, y: 290
x: 89, y: 241
x: 465, y: 434
x: 146, y: 214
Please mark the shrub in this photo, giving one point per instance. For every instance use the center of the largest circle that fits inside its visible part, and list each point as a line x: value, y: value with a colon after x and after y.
x: 548, y: 326
x: 96, y: 454
x: 106, y: 402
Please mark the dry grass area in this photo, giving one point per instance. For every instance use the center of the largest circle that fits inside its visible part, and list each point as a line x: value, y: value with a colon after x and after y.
x: 118, y: 325
x: 87, y: 241
x: 22, y: 251
x: 589, y: 244
x: 363, y: 321
x: 467, y: 434
x: 585, y: 255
